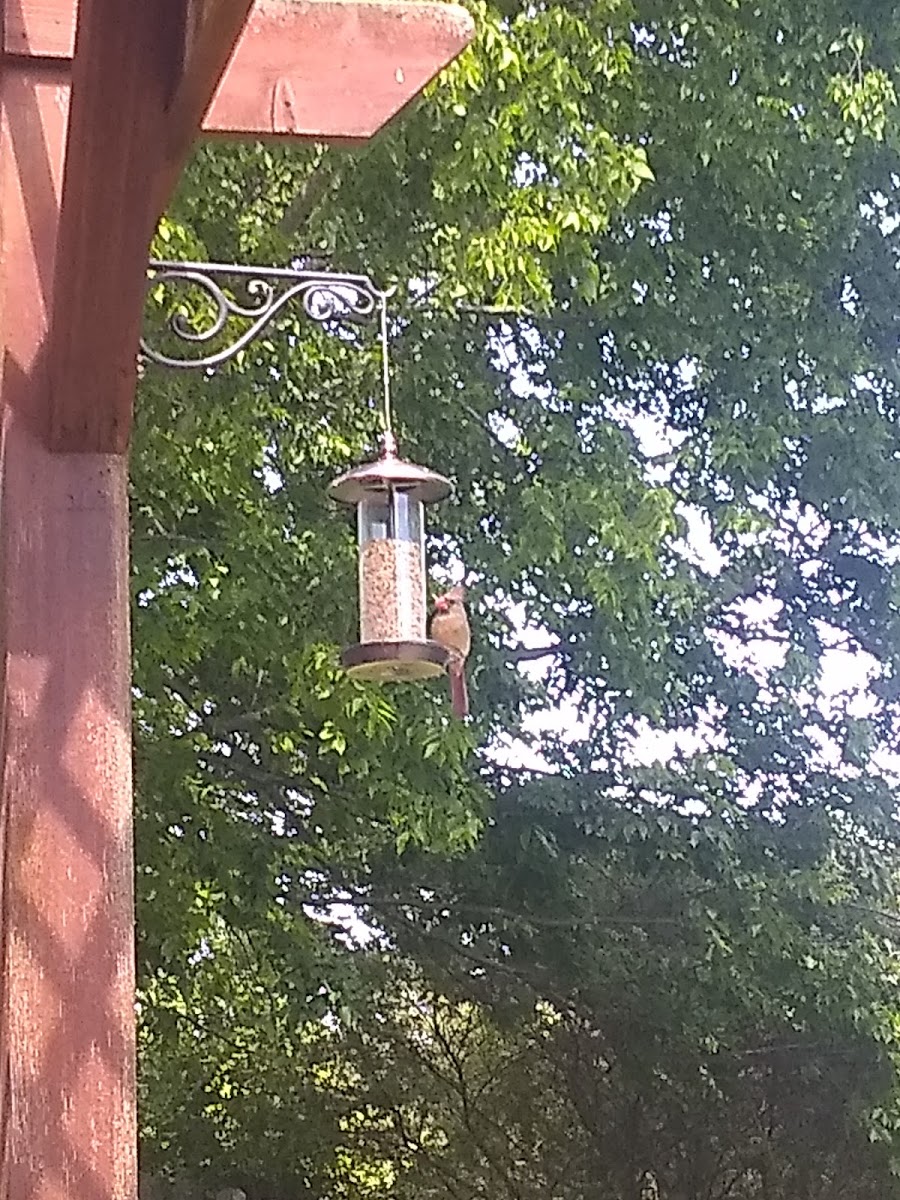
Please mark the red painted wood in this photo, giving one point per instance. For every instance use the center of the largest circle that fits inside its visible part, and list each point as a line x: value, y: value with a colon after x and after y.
x: 215, y: 27
x: 40, y: 28
x: 333, y: 70
x: 127, y: 58
x: 67, y: 1125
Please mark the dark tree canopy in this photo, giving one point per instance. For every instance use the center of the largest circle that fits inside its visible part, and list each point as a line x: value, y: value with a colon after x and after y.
x: 647, y: 268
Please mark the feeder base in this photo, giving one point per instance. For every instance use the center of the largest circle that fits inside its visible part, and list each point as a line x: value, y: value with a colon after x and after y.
x: 394, y: 662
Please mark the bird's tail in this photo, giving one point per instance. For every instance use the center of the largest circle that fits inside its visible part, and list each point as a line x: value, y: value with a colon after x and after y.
x: 459, y: 696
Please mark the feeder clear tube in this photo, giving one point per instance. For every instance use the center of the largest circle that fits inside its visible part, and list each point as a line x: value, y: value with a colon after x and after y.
x: 392, y: 592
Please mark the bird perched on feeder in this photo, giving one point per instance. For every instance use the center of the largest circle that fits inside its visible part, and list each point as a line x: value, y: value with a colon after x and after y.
x: 450, y: 628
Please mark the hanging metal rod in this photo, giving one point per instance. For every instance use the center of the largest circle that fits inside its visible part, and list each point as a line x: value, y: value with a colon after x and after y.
x: 251, y: 297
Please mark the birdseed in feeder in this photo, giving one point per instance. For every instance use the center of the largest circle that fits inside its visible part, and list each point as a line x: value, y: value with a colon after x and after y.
x: 391, y: 591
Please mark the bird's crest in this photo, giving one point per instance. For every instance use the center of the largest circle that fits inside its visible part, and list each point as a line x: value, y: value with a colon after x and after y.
x: 456, y: 595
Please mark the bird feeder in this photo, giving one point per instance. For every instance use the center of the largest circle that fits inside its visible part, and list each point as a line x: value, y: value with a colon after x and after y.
x: 390, y: 497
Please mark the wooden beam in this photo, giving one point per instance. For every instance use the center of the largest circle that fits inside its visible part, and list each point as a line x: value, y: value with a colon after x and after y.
x: 40, y: 28
x: 333, y: 70
x: 127, y: 56
x: 212, y: 33
x: 143, y: 76
x: 67, y: 1112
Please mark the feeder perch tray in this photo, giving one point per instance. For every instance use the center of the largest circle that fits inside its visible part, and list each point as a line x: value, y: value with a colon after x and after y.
x: 395, y: 662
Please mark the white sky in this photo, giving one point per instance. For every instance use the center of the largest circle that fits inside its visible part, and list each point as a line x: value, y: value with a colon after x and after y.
x: 843, y: 679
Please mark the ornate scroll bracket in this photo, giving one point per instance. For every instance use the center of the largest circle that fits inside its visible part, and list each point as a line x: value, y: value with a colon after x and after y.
x: 228, y: 294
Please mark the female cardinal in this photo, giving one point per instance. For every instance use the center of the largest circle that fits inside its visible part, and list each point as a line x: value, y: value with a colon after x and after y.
x: 450, y: 627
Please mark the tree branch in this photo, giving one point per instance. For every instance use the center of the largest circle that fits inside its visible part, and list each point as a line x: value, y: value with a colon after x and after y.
x: 520, y: 654
x: 507, y: 915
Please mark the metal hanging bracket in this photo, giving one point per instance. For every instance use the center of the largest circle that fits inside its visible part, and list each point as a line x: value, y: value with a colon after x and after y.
x: 252, y: 297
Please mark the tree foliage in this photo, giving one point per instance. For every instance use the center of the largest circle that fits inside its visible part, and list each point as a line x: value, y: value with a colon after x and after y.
x: 647, y: 258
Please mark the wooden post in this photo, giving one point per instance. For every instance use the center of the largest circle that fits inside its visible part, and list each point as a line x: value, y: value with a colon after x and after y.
x: 67, y: 1011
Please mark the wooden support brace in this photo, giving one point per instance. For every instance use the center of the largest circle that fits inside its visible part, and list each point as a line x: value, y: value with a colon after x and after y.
x: 127, y: 59
x: 211, y: 35
x: 143, y: 75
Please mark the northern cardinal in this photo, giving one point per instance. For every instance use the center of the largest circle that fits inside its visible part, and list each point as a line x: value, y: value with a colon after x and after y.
x: 450, y: 627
